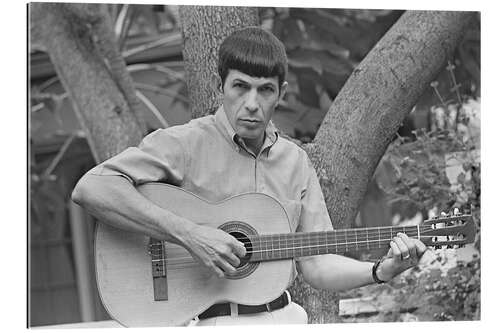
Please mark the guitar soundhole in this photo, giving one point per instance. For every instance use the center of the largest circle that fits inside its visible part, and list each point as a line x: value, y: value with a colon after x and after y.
x: 241, y: 231
x: 248, y: 246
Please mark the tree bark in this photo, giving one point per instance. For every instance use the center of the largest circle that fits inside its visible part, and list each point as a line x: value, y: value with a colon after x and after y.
x: 81, y: 45
x: 371, y: 106
x: 365, y: 116
x: 204, y: 28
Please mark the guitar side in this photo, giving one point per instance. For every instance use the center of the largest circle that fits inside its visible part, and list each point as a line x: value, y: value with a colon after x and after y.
x: 124, y: 273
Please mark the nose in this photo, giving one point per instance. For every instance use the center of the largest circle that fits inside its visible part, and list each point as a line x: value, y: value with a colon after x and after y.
x: 251, y: 103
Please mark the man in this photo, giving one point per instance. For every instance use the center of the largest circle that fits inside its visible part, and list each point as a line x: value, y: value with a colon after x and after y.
x: 235, y: 151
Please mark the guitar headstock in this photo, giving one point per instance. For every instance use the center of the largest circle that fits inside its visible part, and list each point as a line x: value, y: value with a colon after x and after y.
x: 448, y: 231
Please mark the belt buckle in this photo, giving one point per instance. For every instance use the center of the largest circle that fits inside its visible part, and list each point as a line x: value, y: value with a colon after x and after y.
x: 268, y: 307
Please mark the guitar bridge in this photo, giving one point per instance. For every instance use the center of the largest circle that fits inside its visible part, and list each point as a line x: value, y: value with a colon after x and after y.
x: 159, y: 269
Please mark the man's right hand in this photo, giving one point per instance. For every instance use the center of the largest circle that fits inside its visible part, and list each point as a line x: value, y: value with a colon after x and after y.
x: 214, y: 248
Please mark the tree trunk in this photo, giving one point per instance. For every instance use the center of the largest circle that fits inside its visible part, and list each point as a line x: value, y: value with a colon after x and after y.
x: 371, y: 106
x: 204, y: 28
x: 365, y: 116
x: 81, y: 45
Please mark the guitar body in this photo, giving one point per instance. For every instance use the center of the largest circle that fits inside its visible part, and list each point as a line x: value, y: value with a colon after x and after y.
x: 124, y: 266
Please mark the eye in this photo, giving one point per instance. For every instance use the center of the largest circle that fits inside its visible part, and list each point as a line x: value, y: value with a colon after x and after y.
x: 267, y: 89
x: 239, y: 85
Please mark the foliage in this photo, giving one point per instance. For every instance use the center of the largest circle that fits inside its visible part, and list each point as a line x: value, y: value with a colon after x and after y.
x: 428, y: 295
x: 323, y: 47
x: 436, y: 170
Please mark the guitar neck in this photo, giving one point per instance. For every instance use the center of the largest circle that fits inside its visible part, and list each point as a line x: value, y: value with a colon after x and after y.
x: 302, y: 244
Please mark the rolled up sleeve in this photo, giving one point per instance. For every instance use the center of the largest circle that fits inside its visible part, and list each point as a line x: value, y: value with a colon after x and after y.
x: 160, y: 157
x: 313, y: 214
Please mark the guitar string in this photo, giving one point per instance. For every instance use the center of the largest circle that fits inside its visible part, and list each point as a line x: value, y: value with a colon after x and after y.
x: 265, y: 240
x: 268, y: 239
x: 300, y: 243
x: 342, y: 245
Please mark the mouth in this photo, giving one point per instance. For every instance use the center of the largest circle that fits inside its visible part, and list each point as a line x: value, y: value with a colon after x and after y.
x: 250, y: 120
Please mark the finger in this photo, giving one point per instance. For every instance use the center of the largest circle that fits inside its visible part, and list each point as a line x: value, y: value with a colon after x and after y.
x: 232, y: 259
x: 224, y: 265
x: 218, y: 272
x: 421, y: 248
x: 403, y: 249
x: 215, y: 269
x: 239, y: 249
x: 395, y: 250
x: 410, y: 244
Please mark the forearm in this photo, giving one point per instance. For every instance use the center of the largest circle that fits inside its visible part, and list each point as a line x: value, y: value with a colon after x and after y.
x: 335, y: 272
x: 113, y: 200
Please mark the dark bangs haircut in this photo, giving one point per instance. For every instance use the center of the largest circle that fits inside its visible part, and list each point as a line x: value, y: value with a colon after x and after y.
x: 255, y: 52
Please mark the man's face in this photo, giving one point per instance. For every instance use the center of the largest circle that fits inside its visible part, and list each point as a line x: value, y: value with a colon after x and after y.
x: 249, y: 103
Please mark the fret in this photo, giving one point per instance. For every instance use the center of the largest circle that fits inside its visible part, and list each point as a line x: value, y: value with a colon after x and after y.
x: 308, y: 245
x: 356, y: 239
x: 328, y: 242
x: 281, y: 247
x: 336, y: 245
x: 324, y: 244
x: 345, y: 236
x: 265, y: 253
x: 367, y: 241
x: 260, y: 248
x: 379, y: 240
x: 316, y: 243
x: 301, y: 248
x: 287, y: 247
x: 272, y: 246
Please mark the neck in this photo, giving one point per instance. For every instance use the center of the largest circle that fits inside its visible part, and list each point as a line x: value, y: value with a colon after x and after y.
x: 301, y: 244
x: 254, y: 145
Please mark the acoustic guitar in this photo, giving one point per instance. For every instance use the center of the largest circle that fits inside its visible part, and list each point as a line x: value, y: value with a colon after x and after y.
x: 146, y: 282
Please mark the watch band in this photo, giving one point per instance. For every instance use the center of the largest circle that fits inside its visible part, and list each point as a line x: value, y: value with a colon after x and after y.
x: 374, y: 271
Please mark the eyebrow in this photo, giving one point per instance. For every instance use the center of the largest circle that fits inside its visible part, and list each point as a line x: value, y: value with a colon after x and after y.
x: 265, y: 84
x: 240, y: 81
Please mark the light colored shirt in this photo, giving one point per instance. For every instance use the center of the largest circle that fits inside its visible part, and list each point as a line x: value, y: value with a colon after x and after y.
x: 207, y: 158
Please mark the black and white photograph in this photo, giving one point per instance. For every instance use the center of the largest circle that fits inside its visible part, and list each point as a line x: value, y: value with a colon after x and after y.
x: 214, y: 165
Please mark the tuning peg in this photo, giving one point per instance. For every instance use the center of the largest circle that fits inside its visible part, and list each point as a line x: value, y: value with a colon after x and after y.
x: 450, y: 246
x: 438, y: 246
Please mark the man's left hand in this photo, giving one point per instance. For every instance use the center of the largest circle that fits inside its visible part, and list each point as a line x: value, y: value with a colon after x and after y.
x: 404, y: 253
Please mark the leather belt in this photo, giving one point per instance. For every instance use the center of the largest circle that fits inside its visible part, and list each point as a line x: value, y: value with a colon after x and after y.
x: 224, y: 309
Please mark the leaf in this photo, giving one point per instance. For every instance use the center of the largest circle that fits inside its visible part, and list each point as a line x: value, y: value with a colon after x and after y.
x: 291, y: 35
x: 320, y: 61
x: 350, y: 37
x: 317, y: 41
x: 461, y: 178
x: 387, y: 174
x: 307, y: 80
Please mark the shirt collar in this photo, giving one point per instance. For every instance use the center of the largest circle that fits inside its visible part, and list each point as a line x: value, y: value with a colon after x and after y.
x: 223, y: 123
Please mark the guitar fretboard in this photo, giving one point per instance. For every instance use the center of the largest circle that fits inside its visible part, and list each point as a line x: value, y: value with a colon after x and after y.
x: 302, y: 244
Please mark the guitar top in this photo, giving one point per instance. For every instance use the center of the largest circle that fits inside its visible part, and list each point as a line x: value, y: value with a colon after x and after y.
x: 146, y: 282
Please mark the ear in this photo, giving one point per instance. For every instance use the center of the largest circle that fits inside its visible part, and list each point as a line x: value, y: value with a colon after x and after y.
x: 282, y: 92
x: 216, y: 82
